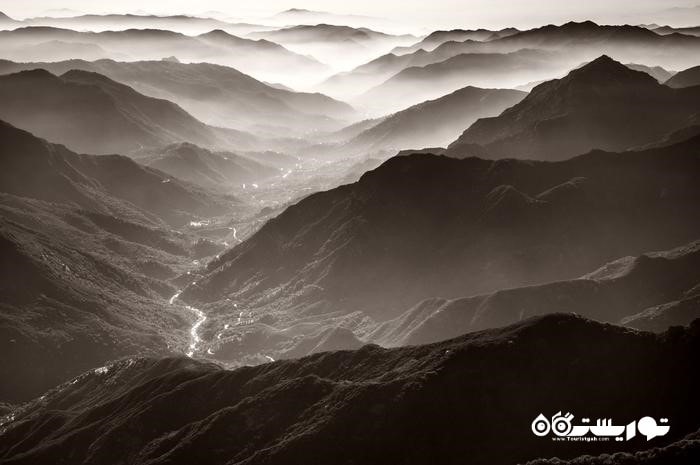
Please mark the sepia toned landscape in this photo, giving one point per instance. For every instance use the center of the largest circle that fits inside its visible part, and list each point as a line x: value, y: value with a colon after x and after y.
x: 322, y: 233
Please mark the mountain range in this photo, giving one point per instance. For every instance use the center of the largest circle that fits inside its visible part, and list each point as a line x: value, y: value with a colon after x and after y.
x: 422, y: 226
x: 266, y: 60
x: 87, y: 249
x: 419, y: 83
x: 215, y: 94
x: 111, y: 184
x: 651, y: 292
x: 91, y: 113
x: 686, y: 78
x: 339, y: 46
x: 484, y: 386
x: 434, y: 39
x: 434, y: 123
x: 583, y: 111
x: 202, y: 167
x: 113, y: 22
x: 569, y: 45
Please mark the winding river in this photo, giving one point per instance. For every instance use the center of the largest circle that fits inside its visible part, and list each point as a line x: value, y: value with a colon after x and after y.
x: 194, y: 330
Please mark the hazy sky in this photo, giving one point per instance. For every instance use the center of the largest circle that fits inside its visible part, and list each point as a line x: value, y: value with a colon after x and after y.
x: 467, y: 13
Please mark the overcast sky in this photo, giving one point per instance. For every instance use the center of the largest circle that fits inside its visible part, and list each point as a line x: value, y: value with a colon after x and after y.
x: 429, y: 13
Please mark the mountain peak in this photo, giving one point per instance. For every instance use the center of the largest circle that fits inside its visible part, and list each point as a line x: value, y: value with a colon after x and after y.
x: 603, y: 69
x: 32, y: 74
x: 580, y: 25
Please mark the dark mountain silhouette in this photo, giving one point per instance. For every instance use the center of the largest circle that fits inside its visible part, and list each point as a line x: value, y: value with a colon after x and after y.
x: 216, y: 170
x: 420, y: 83
x: 587, y: 39
x: 652, y: 292
x: 422, y: 226
x: 265, y: 59
x: 686, y: 78
x: 333, y: 406
x: 214, y: 94
x: 601, y: 105
x: 435, y: 122
x: 91, y: 113
x: 113, y: 184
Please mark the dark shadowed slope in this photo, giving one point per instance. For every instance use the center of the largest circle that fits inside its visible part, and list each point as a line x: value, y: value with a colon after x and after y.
x: 110, y: 184
x: 421, y: 226
x: 485, y: 389
x: 214, y: 94
x: 436, y: 122
x: 686, y: 78
x: 652, y: 292
x: 215, y: 170
x: 602, y: 105
x: 85, y: 256
x: 89, y: 112
x: 80, y: 288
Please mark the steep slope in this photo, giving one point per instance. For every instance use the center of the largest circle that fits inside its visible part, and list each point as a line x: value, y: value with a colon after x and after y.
x: 6, y: 21
x: 110, y: 184
x: 651, y: 292
x: 435, y: 122
x: 215, y: 170
x: 422, y: 226
x: 91, y: 113
x: 334, y: 406
x: 603, y: 105
x: 686, y: 78
x: 420, y: 83
x: 80, y: 288
x: 214, y: 94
